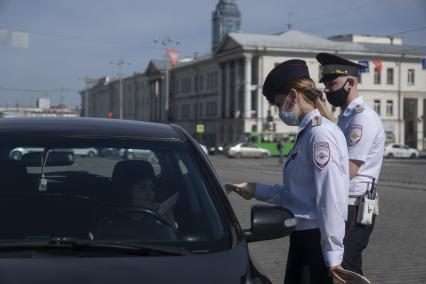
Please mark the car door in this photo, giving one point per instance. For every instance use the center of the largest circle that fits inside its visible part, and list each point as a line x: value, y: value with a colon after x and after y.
x: 244, y: 150
x: 254, y: 150
x: 406, y: 151
x: 396, y: 151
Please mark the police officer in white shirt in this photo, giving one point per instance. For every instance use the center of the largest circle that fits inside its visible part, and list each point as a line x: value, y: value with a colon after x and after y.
x: 315, y: 177
x: 365, y: 138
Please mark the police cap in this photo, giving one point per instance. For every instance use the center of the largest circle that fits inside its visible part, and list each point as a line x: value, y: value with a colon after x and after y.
x: 333, y: 66
x: 282, y: 74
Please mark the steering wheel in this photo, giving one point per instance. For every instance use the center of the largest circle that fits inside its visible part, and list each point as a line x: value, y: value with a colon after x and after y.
x: 132, y: 210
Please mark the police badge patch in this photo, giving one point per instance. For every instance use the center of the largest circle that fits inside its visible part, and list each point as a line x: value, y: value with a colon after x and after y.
x: 321, y: 154
x: 355, y: 134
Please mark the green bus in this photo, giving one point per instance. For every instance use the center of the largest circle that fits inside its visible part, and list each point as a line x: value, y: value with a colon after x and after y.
x: 269, y: 139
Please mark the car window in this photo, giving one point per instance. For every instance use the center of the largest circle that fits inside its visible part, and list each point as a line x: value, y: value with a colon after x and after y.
x: 396, y: 146
x: 124, y: 190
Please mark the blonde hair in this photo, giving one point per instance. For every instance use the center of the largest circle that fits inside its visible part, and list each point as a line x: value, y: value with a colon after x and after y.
x: 311, y: 95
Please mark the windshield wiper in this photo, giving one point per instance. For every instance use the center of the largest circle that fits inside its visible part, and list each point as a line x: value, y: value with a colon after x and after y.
x: 82, y: 245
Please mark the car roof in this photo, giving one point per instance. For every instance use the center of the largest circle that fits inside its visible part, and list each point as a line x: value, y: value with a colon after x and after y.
x: 96, y: 127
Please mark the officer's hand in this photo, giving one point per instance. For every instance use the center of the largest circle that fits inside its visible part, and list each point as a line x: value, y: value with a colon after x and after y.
x: 342, y: 275
x: 245, y: 189
x: 334, y: 271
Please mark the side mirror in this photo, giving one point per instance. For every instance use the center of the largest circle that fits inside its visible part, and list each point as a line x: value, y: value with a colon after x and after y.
x: 269, y: 222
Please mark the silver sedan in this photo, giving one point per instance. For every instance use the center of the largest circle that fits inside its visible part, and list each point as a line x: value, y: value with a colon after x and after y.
x: 247, y: 150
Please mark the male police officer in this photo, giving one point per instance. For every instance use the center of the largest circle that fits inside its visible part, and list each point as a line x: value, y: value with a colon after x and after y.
x: 365, y: 138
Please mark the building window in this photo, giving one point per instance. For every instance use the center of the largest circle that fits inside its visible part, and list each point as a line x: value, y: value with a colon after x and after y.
x: 377, y: 106
x: 177, y: 86
x: 201, y: 109
x: 410, y: 76
x: 389, y: 76
x: 185, y: 111
x: 201, y: 82
x: 389, y: 108
x: 377, y: 77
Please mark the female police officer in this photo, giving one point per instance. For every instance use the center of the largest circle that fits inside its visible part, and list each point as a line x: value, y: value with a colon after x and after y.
x: 315, y: 175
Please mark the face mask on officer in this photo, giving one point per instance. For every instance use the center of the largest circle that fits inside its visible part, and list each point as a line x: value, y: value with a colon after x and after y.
x: 339, y: 97
x: 287, y: 111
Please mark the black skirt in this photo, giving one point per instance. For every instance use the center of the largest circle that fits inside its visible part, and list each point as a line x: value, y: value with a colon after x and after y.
x: 305, y: 262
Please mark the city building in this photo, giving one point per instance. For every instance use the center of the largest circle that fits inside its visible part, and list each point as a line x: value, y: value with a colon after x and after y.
x: 218, y: 97
x: 226, y: 18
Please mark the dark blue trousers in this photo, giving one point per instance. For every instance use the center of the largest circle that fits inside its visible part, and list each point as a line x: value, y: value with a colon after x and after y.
x: 356, y: 240
x: 305, y: 263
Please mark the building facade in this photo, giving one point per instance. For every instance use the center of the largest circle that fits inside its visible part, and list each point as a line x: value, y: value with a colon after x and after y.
x: 394, y: 84
x: 223, y: 91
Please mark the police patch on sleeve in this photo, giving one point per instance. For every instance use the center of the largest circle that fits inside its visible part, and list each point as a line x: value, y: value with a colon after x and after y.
x: 355, y: 134
x: 321, y: 154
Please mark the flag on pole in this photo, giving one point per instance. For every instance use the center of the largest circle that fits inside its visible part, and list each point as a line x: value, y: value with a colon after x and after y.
x: 378, y: 64
x: 173, y: 56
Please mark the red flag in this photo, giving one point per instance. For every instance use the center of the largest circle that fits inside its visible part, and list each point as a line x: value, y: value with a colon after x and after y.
x: 378, y: 64
x: 173, y: 56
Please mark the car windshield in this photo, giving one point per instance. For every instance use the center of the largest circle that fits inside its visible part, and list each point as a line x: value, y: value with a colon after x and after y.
x: 107, y: 190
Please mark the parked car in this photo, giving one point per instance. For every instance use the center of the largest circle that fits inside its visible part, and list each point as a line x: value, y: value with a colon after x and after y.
x: 18, y: 152
x: 395, y: 150
x: 86, y: 152
x: 204, y: 148
x: 81, y: 222
x: 247, y: 150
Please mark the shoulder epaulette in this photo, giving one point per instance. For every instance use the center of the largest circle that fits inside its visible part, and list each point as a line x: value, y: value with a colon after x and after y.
x: 359, y: 108
x: 316, y: 121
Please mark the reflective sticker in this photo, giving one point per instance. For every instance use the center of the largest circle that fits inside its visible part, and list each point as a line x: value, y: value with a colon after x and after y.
x: 321, y: 154
x: 355, y: 134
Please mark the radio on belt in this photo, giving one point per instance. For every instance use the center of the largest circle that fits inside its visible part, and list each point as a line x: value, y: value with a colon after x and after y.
x: 369, y: 205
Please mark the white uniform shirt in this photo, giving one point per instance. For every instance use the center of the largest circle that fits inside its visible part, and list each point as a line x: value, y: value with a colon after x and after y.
x: 316, y: 182
x: 365, y: 137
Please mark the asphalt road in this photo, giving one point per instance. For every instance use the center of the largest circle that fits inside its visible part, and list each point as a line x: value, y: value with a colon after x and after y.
x: 397, y: 249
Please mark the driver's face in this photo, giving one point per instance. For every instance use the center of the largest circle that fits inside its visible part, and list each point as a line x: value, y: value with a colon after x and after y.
x: 143, y: 193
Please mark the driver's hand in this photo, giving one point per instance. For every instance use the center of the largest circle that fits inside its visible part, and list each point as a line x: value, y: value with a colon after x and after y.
x: 245, y: 189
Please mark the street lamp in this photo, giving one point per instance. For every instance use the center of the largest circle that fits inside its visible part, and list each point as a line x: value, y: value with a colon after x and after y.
x: 119, y: 63
x: 166, y: 42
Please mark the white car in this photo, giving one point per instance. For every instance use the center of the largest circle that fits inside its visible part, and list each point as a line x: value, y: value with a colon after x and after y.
x: 247, y: 150
x: 17, y: 153
x: 85, y: 152
x: 204, y: 147
x: 394, y: 150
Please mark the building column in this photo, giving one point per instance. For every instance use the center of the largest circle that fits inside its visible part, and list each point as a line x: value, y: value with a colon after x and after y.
x: 247, y: 85
x: 420, y: 121
x: 227, y: 89
x: 236, y: 112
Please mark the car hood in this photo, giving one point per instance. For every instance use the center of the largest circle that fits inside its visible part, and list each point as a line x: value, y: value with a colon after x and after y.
x: 230, y: 266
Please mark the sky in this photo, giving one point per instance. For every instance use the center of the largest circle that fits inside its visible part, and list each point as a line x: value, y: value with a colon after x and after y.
x: 72, y: 40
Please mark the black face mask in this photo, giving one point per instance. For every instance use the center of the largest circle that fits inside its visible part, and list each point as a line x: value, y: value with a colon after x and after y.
x: 339, y: 97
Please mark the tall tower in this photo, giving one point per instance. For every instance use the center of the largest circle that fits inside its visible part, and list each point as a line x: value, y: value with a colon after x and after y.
x: 225, y: 19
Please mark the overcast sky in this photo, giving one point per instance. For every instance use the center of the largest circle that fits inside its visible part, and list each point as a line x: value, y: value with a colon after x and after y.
x: 74, y: 39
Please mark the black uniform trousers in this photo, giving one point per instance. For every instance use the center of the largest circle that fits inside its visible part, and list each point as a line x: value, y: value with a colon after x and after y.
x: 305, y: 262
x: 355, y: 241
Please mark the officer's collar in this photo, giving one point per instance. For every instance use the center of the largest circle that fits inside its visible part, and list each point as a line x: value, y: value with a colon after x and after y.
x: 307, y: 118
x: 352, y: 105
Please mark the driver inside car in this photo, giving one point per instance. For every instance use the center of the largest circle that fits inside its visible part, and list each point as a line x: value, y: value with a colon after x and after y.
x: 138, y: 216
